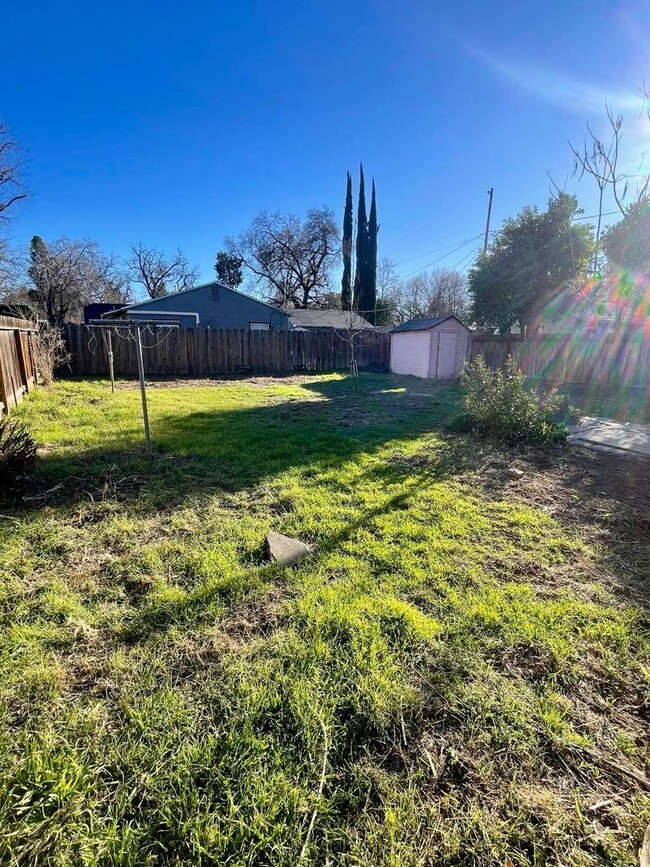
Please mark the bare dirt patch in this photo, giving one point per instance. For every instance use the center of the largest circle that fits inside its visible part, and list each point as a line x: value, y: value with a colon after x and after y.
x: 603, y: 496
x: 235, y: 379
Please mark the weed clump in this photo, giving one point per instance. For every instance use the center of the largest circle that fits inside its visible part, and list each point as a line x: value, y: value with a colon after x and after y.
x: 17, y: 451
x: 497, y: 404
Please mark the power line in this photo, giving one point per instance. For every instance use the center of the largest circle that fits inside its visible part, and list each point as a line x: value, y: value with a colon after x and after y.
x: 476, y: 237
x: 469, y: 258
x: 437, y: 250
x: 595, y: 216
x: 440, y: 258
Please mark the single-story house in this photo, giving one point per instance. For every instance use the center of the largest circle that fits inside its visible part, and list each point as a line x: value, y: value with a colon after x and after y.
x: 332, y: 320
x: 433, y: 348
x: 211, y: 304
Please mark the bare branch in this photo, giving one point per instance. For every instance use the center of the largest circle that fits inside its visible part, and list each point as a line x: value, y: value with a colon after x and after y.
x: 65, y: 275
x: 291, y: 260
x: 12, y: 190
x: 158, y: 274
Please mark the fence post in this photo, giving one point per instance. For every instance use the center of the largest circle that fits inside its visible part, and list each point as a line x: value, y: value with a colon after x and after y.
x: 4, y: 394
x: 22, y: 364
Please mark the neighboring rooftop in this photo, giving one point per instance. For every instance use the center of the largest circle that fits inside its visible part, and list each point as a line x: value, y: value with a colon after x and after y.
x: 425, y: 324
x: 337, y: 319
x: 212, y: 284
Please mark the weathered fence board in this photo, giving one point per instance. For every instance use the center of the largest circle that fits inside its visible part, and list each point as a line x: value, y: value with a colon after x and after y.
x: 17, y: 365
x: 217, y: 352
x: 618, y: 359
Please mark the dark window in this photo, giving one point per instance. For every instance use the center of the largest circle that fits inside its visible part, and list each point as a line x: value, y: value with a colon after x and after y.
x: 216, y: 294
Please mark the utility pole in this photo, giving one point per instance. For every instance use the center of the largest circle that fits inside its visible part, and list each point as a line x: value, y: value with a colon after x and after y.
x: 490, y: 193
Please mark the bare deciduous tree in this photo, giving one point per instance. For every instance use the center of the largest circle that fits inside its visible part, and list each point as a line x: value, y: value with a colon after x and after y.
x: 11, y: 187
x: 51, y: 353
x: 66, y: 274
x: 158, y: 274
x: 291, y: 261
x: 12, y: 275
x: 600, y: 158
x: 435, y: 293
x: 387, y: 277
x: 350, y: 333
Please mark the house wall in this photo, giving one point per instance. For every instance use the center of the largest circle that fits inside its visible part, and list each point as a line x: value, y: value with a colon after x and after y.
x: 409, y: 352
x: 223, y: 308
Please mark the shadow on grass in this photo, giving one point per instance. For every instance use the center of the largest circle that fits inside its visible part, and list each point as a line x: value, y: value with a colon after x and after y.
x: 232, y: 449
x: 450, y: 458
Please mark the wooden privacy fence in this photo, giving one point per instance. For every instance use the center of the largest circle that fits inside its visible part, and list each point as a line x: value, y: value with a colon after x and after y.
x: 17, y: 362
x: 617, y: 359
x: 216, y: 351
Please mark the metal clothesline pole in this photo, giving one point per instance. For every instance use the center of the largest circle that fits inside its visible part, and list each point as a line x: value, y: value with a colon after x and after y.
x: 134, y: 328
x: 111, y: 369
x: 143, y: 390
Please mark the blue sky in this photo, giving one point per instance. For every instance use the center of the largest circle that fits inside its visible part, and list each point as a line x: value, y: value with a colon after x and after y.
x: 173, y: 124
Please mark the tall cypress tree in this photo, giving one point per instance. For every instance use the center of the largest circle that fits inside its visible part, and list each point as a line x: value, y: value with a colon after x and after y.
x: 362, y: 247
x: 348, y: 226
x: 370, y: 295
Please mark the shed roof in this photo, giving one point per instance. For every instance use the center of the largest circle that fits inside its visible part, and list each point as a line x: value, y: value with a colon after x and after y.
x: 425, y: 324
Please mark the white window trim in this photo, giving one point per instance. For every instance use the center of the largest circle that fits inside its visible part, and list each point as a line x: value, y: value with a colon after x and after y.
x: 169, y: 314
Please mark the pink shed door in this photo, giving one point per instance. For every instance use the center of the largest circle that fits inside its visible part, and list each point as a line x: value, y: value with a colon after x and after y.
x: 443, y: 355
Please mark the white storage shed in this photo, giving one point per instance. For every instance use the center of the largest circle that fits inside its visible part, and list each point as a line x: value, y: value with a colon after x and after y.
x: 431, y: 348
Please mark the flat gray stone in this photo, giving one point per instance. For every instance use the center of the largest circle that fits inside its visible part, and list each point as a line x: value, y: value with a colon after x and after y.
x: 607, y: 433
x: 284, y: 550
x: 515, y: 473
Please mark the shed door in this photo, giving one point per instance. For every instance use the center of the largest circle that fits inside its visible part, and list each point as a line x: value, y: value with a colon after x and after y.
x: 443, y: 357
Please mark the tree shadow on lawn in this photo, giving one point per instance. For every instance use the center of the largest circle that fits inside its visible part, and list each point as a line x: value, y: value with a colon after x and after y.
x: 229, y: 450
x: 158, y: 618
x: 226, y: 450
x: 450, y: 458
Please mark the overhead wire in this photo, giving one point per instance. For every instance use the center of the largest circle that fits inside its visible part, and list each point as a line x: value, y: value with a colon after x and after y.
x: 440, y: 258
x: 469, y: 258
x: 469, y: 241
x: 437, y: 250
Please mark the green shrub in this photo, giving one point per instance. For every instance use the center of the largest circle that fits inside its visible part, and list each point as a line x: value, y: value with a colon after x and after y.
x: 17, y: 451
x: 497, y: 404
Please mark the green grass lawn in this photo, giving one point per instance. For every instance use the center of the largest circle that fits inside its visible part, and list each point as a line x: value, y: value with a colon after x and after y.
x: 457, y: 676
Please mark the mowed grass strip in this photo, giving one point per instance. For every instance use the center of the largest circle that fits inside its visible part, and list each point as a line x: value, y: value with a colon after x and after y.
x: 418, y: 692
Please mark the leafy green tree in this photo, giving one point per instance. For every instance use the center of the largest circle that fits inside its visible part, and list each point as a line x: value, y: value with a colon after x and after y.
x: 532, y: 259
x: 627, y: 243
x: 346, y: 280
x: 229, y: 269
x: 362, y: 246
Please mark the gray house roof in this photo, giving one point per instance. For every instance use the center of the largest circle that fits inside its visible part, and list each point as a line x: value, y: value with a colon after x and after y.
x: 425, y: 324
x: 336, y: 319
x: 149, y: 301
x: 210, y: 305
